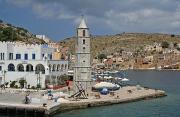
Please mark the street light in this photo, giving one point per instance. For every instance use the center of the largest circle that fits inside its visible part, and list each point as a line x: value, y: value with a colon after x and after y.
x: 39, y: 80
x: 4, y: 74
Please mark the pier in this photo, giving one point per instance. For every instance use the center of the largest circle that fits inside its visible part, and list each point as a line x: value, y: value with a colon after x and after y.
x: 124, y: 95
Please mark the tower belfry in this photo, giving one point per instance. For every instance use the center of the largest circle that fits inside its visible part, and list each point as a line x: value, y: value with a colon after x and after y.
x: 82, y: 69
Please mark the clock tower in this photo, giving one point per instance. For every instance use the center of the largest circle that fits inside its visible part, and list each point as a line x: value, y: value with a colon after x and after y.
x: 82, y: 69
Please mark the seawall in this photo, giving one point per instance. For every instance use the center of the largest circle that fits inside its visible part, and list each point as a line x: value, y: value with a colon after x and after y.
x: 123, y: 95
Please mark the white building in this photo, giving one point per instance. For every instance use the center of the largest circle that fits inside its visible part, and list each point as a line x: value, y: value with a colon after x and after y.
x: 32, y: 63
x: 44, y: 37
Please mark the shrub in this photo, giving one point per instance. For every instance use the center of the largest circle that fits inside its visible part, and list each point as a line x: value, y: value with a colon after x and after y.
x: 38, y: 86
x: 165, y: 44
x: 29, y: 86
x: 6, y: 84
x: 22, y: 82
x: 102, y: 56
x: 16, y: 86
x: 172, y: 35
x: 12, y: 84
x: 33, y: 87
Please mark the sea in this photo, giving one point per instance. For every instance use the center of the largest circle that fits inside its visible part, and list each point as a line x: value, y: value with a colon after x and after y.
x: 168, y: 106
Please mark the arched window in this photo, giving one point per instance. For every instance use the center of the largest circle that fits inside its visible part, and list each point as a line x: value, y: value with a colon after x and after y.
x: 62, y: 66
x: 1, y: 56
x: 84, y: 33
x: 84, y: 41
x: 29, y: 68
x: 11, y: 67
x: 65, y: 66
x: 84, y: 48
x: 40, y: 68
x: 20, y: 67
x: 50, y: 67
x: 58, y: 67
x: 54, y: 68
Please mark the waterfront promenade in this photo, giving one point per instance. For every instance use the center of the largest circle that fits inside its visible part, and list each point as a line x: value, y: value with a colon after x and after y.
x: 124, y: 95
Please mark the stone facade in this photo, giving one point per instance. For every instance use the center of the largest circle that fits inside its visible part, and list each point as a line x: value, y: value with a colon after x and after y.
x: 82, y: 69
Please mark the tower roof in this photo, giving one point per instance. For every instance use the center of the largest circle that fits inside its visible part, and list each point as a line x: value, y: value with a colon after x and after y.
x: 83, y: 23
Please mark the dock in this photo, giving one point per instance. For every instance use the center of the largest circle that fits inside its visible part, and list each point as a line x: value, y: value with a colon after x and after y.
x: 124, y: 95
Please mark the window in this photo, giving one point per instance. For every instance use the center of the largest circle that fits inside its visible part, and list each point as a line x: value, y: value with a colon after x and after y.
x: 50, y: 57
x: 33, y: 56
x: 84, y: 48
x: 18, y: 56
x: 42, y: 55
x: 84, y: 41
x: 10, y: 56
x: 1, y: 56
x: 25, y: 56
x: 84, y: 33
x: 11, y: 67
x: 0, y: 68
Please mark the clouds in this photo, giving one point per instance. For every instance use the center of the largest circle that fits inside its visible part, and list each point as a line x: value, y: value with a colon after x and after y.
x: 115, y: 15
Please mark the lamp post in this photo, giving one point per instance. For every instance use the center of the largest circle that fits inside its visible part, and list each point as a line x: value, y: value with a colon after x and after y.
x: 39, y: 80
x: 4, y: 75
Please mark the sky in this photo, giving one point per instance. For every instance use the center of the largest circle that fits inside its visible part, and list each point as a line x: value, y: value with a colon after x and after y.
x: 58, y: 19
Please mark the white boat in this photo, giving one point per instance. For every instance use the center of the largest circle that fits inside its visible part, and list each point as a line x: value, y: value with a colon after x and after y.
x: 113, y: 72
x: 108, y: 77
x: 125, y: 80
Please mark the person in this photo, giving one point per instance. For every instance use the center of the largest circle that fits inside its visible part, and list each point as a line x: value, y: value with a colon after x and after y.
x: 50, y: 95
x: 27, y: 99
x: 67, y: 82
x: 69, y: 89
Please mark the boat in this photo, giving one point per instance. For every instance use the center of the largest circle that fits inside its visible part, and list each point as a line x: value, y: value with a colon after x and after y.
x: 113, y: 72
x: 125, y: 80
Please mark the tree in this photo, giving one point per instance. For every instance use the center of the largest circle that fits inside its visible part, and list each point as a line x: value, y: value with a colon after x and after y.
x: 178, y: 48
x: 22, y: 82
x: 63, y: 78
x: 6, y: 84
x: 102, y: 56
x: 165, y: 44
x: 175, y: 44
x: 12, y: 84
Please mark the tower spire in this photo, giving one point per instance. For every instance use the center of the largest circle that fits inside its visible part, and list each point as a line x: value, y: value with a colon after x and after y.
x: 82, y: 23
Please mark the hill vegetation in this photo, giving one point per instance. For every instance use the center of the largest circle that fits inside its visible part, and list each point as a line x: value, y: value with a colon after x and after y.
x: 12, y: 33
x: 109, y: 44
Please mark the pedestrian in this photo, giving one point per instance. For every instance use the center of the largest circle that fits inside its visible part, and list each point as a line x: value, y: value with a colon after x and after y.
x: 67, y: 83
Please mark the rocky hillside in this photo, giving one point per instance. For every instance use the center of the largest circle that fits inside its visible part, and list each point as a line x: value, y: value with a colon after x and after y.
x: 115, y: 43
x: 9, y: 32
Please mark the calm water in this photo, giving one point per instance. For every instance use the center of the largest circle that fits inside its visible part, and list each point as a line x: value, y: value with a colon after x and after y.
x: 163, y: 107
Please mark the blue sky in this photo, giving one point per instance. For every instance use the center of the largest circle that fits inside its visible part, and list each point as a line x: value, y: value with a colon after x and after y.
x: 58, y: 19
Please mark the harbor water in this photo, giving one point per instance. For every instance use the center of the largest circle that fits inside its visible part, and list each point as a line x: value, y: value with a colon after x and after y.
x: 168, y: 106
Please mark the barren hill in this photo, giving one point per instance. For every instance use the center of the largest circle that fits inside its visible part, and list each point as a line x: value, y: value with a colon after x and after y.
x: 108, y: 44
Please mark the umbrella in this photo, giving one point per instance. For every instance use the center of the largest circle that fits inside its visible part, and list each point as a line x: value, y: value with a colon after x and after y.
x: 104, y: 91
x: 107, y: 85
x: 104, y: 84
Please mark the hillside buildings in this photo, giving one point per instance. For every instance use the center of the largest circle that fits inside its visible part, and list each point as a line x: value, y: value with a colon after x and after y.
x: 36, y: 64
